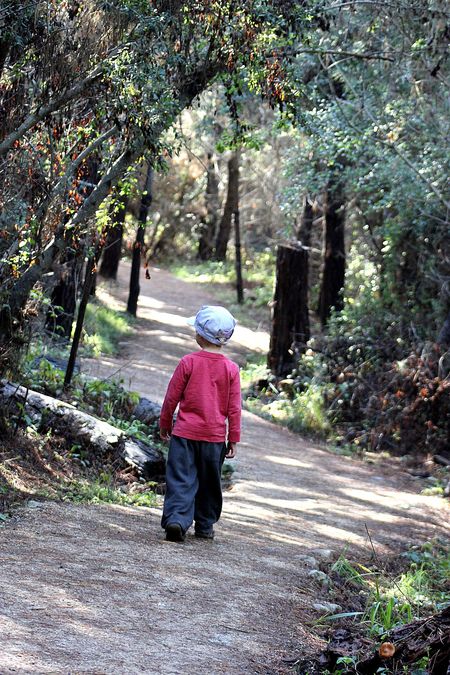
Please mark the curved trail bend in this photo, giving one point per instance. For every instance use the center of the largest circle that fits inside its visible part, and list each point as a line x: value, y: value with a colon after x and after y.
x: 97, y: 590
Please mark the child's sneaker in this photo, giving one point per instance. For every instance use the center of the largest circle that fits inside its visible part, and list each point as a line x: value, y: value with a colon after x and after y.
x: 205, y: 535
x: 174, y: 532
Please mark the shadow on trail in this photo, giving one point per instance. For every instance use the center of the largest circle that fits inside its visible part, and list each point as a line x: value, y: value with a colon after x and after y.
x: 96, y: 589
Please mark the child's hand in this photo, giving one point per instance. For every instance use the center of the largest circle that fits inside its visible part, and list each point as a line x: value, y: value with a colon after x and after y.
x: 232, y: 450
x: 164, y: 434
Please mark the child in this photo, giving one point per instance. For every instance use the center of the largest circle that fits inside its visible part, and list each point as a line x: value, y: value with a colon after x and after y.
x: 206, y: 384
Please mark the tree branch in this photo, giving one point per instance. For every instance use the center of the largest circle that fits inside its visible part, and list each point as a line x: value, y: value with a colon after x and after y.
x: 43, y: 110
x: 44, y: 263
x: 62, y: 184
x: 388, y: 144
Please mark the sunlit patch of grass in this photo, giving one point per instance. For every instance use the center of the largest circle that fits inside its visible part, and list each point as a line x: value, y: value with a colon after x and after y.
x: 103, y: 329
x: 255, y: 369
x: 208, y: 272
x: 305, y: 412
x: 104, y: 491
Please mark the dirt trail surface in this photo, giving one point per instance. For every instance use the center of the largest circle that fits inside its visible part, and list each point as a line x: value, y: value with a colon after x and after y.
x: 96, y: 589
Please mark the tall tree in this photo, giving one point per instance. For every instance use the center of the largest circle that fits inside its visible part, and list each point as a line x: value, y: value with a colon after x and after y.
x: 290, y: 329
x: 209, y: 226
x: 138, y: 246
x: 231, y: 205
x: 333, y: 273
x: 112, y: 249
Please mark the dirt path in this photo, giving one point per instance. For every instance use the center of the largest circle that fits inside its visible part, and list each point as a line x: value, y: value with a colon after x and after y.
x: 96, y: 589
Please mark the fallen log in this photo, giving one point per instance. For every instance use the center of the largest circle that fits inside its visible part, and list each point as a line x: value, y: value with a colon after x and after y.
x: 80, y: 427
x: 428, y: 637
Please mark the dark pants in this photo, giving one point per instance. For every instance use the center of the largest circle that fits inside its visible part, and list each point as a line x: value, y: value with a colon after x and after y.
x: 193, y: 485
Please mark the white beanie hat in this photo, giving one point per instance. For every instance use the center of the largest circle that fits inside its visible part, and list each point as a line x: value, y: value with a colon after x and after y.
x: 213, y: 323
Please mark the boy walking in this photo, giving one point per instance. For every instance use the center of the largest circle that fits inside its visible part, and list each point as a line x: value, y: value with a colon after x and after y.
x: 206, y: 385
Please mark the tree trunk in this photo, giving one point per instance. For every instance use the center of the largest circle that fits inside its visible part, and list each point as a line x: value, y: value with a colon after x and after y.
x: 97, y: 255
x: 333, y: 274
x: 112, y: 250
x: 64, y: 295
x: 231, y: 205
x: 306, y: 224
x: 139, y: 244
x: 237, y: 240
x: 5, y: 45
x: 60, y: 316
x: 290, y: 318
x: 209, y: 226
x: 80, y: 319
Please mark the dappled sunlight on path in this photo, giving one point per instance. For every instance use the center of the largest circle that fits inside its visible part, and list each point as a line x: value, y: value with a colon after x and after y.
x: 162, y: 336
x: 96, y: 589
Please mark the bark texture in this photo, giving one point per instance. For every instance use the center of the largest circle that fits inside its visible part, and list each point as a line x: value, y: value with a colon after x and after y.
x: 209, y: 226
x: 306, y: 223
x: 113, y: 245
x: 138, y: 247
x: 333, y: 274
x: 290, y: 319
x: 231, y: 205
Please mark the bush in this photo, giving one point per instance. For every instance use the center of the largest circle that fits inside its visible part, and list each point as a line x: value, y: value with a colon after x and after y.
x: 381, y: 390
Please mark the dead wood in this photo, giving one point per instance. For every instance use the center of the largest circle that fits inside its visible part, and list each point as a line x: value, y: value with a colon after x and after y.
x: 77, y: 426
x: 426, y: 637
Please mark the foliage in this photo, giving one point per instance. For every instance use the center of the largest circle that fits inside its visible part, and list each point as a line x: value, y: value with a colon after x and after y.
x: 363, y: 387
x: 298, y: 402
x: 104, y: 490
x: 42, y: 374
x: 255, y: 370
x: 92, y: 89
x: 105, y: 398
x: 103, y: 329
x: 392, y: 600
x: 43, y: 365
x: 382, y: 396
x: 305, y: 412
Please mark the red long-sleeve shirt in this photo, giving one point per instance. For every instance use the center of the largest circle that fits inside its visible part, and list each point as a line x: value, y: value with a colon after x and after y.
x: 207, y: 387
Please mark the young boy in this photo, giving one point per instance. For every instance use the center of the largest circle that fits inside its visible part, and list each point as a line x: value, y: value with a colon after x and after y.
x: 206, y: 385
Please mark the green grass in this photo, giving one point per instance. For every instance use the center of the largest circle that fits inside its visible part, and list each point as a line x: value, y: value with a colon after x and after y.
x: 103, y: 329
x: 304, y: 413
x: 103, y: 491
x: 392, y: 600
x: 255, y: 369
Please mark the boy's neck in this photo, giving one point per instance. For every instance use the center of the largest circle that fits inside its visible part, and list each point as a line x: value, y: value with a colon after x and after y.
x: 206, y: 346
x: 212, y: 348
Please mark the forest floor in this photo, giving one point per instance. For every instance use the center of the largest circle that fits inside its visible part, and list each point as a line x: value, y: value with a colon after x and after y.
x: 97, y: 590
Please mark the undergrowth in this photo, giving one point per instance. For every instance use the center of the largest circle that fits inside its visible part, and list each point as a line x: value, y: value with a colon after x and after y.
x: 378, y: 598
x: 103, y: 328
x: 394, y: 599
x: 300, y: 409
x: 102, y: 331
x: 106, y: 490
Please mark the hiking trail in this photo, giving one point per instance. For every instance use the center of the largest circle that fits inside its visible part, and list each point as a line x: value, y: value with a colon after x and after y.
x: 96, y: 590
